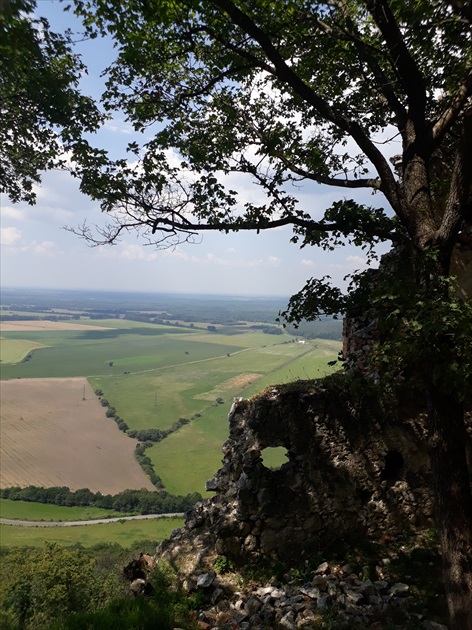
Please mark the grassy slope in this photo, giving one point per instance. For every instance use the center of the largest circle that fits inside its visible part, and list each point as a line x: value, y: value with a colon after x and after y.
x: 15, y: 350
x: 28, y: 511
x: 125, y: 533
x: 189, y: 457
x: 159, y: 397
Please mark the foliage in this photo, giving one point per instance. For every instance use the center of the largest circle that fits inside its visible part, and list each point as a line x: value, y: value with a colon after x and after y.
x: 167, y: 607
x: 237, y: 88
x: 42, y: 110
x: 147, y: 465
x: 418, y: 324
x: 72, y: 587
x: 286, y: 92
x: 41, y: 586
x: 223, y: 564
x: 149, y: 435
x: 134, y: 501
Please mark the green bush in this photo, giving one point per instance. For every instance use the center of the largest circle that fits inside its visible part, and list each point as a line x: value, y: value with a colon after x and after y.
x: 41, y: 586
x: 223, y: 564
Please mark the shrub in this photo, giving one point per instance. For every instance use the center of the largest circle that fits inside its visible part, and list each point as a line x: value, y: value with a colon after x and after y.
x: 223, y: 564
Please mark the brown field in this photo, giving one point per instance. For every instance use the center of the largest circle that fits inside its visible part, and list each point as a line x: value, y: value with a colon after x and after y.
x: 32, y: 326
x: 50, y: 436
x: 241, y: 381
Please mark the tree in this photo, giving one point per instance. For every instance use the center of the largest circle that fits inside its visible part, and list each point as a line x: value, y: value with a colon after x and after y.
x: 45, y: 585
x: 41, y: 108
x: 285, y: 92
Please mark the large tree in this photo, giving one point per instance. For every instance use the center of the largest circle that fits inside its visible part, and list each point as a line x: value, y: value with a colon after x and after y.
x: 289, y: 91
x: 41, y: 107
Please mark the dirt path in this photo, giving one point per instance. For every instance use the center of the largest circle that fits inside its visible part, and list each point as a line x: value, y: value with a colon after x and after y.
x: 97, y: 521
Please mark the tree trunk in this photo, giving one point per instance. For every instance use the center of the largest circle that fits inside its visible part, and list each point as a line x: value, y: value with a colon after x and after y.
x: 452, y: 493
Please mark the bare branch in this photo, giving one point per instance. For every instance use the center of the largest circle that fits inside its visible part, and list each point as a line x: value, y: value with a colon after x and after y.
x: 374, y: 183
x: 217, y: 79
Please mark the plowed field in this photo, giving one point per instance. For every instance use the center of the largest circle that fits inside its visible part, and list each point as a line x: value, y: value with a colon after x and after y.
x: 50, y: 436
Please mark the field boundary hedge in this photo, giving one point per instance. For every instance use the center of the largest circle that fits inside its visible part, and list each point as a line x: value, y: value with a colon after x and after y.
x: 140, y: 501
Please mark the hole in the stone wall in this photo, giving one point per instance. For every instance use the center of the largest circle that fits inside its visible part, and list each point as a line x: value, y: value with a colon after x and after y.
x: 364, y: 495
x: 274, y: 457
x: 393, y: 467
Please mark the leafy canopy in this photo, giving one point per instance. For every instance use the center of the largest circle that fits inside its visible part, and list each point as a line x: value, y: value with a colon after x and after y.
x: 360, y: 95
x: 281, y: 94
x: 41, y: 108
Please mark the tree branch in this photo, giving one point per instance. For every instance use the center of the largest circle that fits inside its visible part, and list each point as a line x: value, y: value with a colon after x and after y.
x: 382, y: 82
x: 331, y: 181
x: 306, y: 93
x: 459, y: 191
x: 408, y: 71
x: 449, y: 116
x: 462, y: 8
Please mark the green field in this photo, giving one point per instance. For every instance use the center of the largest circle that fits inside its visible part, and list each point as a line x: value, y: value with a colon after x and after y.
x: 159, y: 397
x: 155, y: 374
x: 125, y: 533
x: 29, y: 511
x: 15, y: 350
x: 89, y: 352
x: 189, y: 457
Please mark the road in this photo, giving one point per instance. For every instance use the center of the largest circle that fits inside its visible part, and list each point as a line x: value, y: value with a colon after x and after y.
x: 139, y: 517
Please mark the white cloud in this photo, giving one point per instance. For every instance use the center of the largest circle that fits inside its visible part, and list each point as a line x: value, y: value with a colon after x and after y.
x: 215, y: 260
x: 363, y: 262
x: 308, y: 263
x: 177, y: 253
x: 57, y: 215
x: 9, y: 235
x: 137, y: 252
x: 119, y: 126
x: 9, y: 212
x: 46, y: 248
x: 357, y: 260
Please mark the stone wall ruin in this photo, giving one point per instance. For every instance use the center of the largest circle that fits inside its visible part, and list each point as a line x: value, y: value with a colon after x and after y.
x: 352, y: 471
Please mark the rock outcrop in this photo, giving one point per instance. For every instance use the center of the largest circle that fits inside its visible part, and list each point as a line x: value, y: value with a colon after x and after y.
x: 357, y: 468
x: 352, y: 471
x: 333, y: 597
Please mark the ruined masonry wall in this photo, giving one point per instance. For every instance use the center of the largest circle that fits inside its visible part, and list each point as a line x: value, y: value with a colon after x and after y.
x: 350, y: 473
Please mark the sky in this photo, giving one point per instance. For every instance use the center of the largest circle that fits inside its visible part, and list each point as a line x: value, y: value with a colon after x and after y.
x: 38, y: 252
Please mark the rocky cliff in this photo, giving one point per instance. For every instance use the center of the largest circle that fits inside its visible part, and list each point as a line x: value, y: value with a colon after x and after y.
x: 357, y: 470
x: 354, y: 469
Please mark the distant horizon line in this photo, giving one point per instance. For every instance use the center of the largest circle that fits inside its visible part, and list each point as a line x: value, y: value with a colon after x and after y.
x: 143, y: 292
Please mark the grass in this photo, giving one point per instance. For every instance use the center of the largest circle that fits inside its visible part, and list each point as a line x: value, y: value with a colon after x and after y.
x: 125, y: 533
x: 191, y: 456
x: 274, y: 456
x: 160, y: 374
x: 15, y: 350
x: 87, y: 353
x: 159, y: 397
x: 29, y: 511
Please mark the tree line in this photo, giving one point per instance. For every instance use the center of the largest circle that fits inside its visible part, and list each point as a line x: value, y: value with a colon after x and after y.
x: 139, y: 501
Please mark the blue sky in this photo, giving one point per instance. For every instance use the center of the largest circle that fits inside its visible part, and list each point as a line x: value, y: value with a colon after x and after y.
x: 36, y: 251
